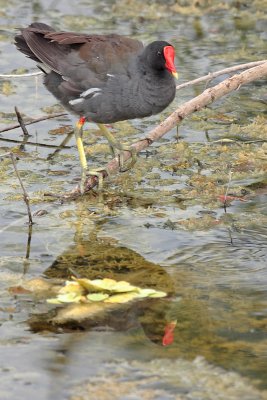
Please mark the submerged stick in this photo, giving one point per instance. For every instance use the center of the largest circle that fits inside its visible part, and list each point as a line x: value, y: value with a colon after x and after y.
x: 33, y: 121
x: 21, y: 122
x: 197, y: 103
x: 25, y: 194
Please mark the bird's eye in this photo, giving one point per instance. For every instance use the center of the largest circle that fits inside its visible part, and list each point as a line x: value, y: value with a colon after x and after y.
x: 159, y: 53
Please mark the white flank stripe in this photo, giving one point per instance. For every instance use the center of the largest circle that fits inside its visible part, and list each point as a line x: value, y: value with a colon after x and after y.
x: 95, y: 94
x: 90, y: 91
x: 75, y: 101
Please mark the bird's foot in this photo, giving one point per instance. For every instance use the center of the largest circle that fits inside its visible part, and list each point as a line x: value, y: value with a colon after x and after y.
x: 132, y: 160
x: 95, y: 173
x: 117, y: 149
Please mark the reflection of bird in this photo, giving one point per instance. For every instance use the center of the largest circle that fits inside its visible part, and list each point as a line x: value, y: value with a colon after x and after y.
x: 92, y: 259
x: 102, y: 78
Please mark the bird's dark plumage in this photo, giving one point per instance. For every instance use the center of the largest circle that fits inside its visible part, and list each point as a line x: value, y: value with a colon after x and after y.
x: 105, y: 78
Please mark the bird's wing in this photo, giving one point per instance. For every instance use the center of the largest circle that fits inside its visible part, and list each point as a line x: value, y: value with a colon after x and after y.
x: 86, y: 60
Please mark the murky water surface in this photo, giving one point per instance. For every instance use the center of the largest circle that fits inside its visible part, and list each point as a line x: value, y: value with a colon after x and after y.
x: 162, y: 225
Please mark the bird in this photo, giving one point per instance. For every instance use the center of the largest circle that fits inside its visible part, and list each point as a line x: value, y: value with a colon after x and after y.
x: 102, y: 79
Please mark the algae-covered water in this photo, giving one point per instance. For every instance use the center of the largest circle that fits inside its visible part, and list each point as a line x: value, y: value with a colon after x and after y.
x: 161, y: 225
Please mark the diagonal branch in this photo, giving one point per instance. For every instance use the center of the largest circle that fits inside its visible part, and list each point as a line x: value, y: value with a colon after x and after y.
x: 197, y: 103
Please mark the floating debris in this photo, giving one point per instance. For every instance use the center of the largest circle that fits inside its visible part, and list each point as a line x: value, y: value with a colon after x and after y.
x: 82, y: 290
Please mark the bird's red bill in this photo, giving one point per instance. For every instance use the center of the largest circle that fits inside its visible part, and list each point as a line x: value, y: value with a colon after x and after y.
x: 169, y: 54
x: 168, y: 337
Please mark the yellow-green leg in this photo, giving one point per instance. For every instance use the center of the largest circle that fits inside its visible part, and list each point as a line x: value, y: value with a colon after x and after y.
x: 116, y: 145
x: 78, y: 131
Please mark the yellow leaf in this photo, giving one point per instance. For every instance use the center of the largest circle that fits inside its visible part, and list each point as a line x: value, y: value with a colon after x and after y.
x: 106, y: 284
x: 69, y: 298
x: 72, y: 287
x: 53, y: 301
x: 97, y: 296
x: 121, y: 298
x: 88, y: 285
x: 158, y: 294
x: 142, y: 293
x: 122, y: 287
x: 7, y: 88
x: 145, y: 292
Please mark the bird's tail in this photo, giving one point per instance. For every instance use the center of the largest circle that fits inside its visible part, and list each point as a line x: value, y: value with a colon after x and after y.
x: 21, y: 42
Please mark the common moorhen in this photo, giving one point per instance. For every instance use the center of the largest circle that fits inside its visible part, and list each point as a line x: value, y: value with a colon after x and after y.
x: 102, y: 78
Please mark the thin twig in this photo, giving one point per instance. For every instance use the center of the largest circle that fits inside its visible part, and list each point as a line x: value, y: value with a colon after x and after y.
x: 49, y: 146
x: 213, y: 75
x: 21, y: 122
x: 7, y: 76
x: 227, y: 190
x: 61, y: 146
x: 28, y: 247
x: 25, y: 195
x: 33, y: 121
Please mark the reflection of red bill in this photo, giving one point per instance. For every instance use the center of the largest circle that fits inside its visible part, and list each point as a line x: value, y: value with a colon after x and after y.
x: 169, y: 333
